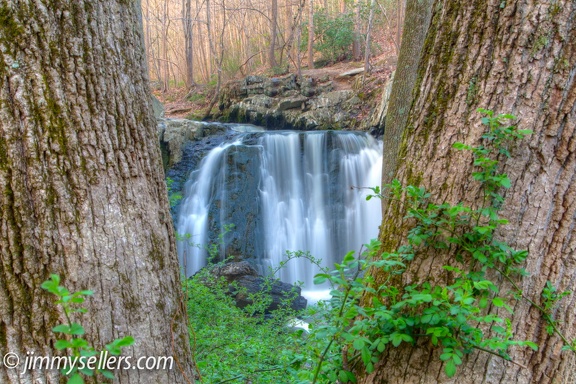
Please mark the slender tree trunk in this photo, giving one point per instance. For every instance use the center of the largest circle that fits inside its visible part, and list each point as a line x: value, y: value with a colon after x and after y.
x: 367, y: 67
x: 310, y: 34
x: 273, y: 29
x: 356, y: 52
x: 165, y: 59
x: 399, y: 21
x: 417, y: 20
x: 516, y: 57
x: 188, y: 26
x: 82, y: 191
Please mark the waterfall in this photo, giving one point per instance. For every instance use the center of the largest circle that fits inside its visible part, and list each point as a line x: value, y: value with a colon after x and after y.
x: 283, y: 191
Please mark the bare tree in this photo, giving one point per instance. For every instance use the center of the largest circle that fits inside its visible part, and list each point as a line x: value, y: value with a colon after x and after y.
x: 310, y: 34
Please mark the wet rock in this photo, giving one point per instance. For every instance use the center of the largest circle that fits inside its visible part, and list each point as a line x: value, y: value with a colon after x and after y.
x: 245, y: 281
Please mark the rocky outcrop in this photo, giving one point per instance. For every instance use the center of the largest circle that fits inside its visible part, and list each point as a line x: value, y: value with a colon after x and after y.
x: 244, y: 281
x: 286, y: 103
x: 174, y: 134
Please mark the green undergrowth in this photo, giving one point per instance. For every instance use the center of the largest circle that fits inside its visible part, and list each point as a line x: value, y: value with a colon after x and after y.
x: 240, y: 345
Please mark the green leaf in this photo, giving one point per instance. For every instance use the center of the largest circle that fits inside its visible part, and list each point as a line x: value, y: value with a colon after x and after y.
x: 62, y: 344
x: 107, y: 374
x: 498, y: 302
x: 76, y: 329
x: 125, y: 341
x: 76, y: 379
x: 366, y: 356
x: 358, y: 344
x: 62, y: 328
x: 320, y: 278
x: 450, y: 368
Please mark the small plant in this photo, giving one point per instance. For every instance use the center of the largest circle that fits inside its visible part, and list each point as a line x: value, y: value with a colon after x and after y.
x: 173, y: 197
x: 453, y: 316
x: 73, y: 333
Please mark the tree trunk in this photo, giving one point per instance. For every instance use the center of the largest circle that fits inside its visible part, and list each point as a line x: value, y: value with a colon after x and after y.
x: 188, y: 41
x: 82, y: 188
x: 165, y: 58
x: 310, y: 34
x: 273, y: 28
x: 356, y: 54
x: 416, y: 24
x: 367, y: 67
x: 515, y: 57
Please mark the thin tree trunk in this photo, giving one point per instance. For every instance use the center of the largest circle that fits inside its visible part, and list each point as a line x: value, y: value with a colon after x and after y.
x: 310, y: 34
x: 165, y: 61
x: 273, y: 28
x: 367, y: 67
x: 418, y: 14
x: 188, y: 41
x: 82, y: 192
x: 356, y: 52
x: 486, y: 54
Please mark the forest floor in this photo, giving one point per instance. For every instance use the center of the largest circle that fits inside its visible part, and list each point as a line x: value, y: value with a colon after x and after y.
x: 192, y: 103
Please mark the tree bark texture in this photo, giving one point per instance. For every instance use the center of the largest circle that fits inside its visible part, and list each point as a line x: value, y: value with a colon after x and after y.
x: 514, y: 57
x: 418, y: 14
x: 82, y: 192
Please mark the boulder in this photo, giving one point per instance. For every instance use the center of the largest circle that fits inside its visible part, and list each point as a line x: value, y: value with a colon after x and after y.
x: 291, y: 103
x: 157, y: 107
x: 245, y: 281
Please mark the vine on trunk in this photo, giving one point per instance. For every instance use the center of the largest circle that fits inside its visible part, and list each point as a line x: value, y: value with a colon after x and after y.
x: 457, y: 315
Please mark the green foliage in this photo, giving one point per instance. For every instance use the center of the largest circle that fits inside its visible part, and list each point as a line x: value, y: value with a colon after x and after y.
x: 73, y: 332
x: 231, y: 344
x: 333, y: 35
x: 174, y: 197
x: 454, y: 315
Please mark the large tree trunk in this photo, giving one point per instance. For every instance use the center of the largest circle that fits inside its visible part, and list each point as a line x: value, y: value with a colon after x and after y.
x: 515, y: 57
x: 82, y: 192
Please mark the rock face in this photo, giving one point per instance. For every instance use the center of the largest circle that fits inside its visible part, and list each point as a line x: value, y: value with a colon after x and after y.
x: 174, y: 134
x: 249, y: 282
x: 286, y: 103
x: 237, y: 201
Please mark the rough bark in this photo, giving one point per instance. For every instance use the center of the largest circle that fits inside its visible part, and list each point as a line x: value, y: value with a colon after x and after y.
x: 515, y: 57
x: 81, y: 186
x: 418, y: 13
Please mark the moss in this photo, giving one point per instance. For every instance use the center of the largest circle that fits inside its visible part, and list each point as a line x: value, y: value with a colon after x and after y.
x: 10, y: 28
x: 3, y: 153
x: 472, y: 90
x: 156, y: 253
x: 540, y: 42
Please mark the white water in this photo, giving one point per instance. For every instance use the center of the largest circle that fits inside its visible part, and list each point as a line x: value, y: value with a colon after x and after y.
x: 300, y: 210
x: 193, y: 219
x: 306, y: 196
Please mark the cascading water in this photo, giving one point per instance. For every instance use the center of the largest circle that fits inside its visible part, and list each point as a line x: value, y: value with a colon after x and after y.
x: 294, y: 192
